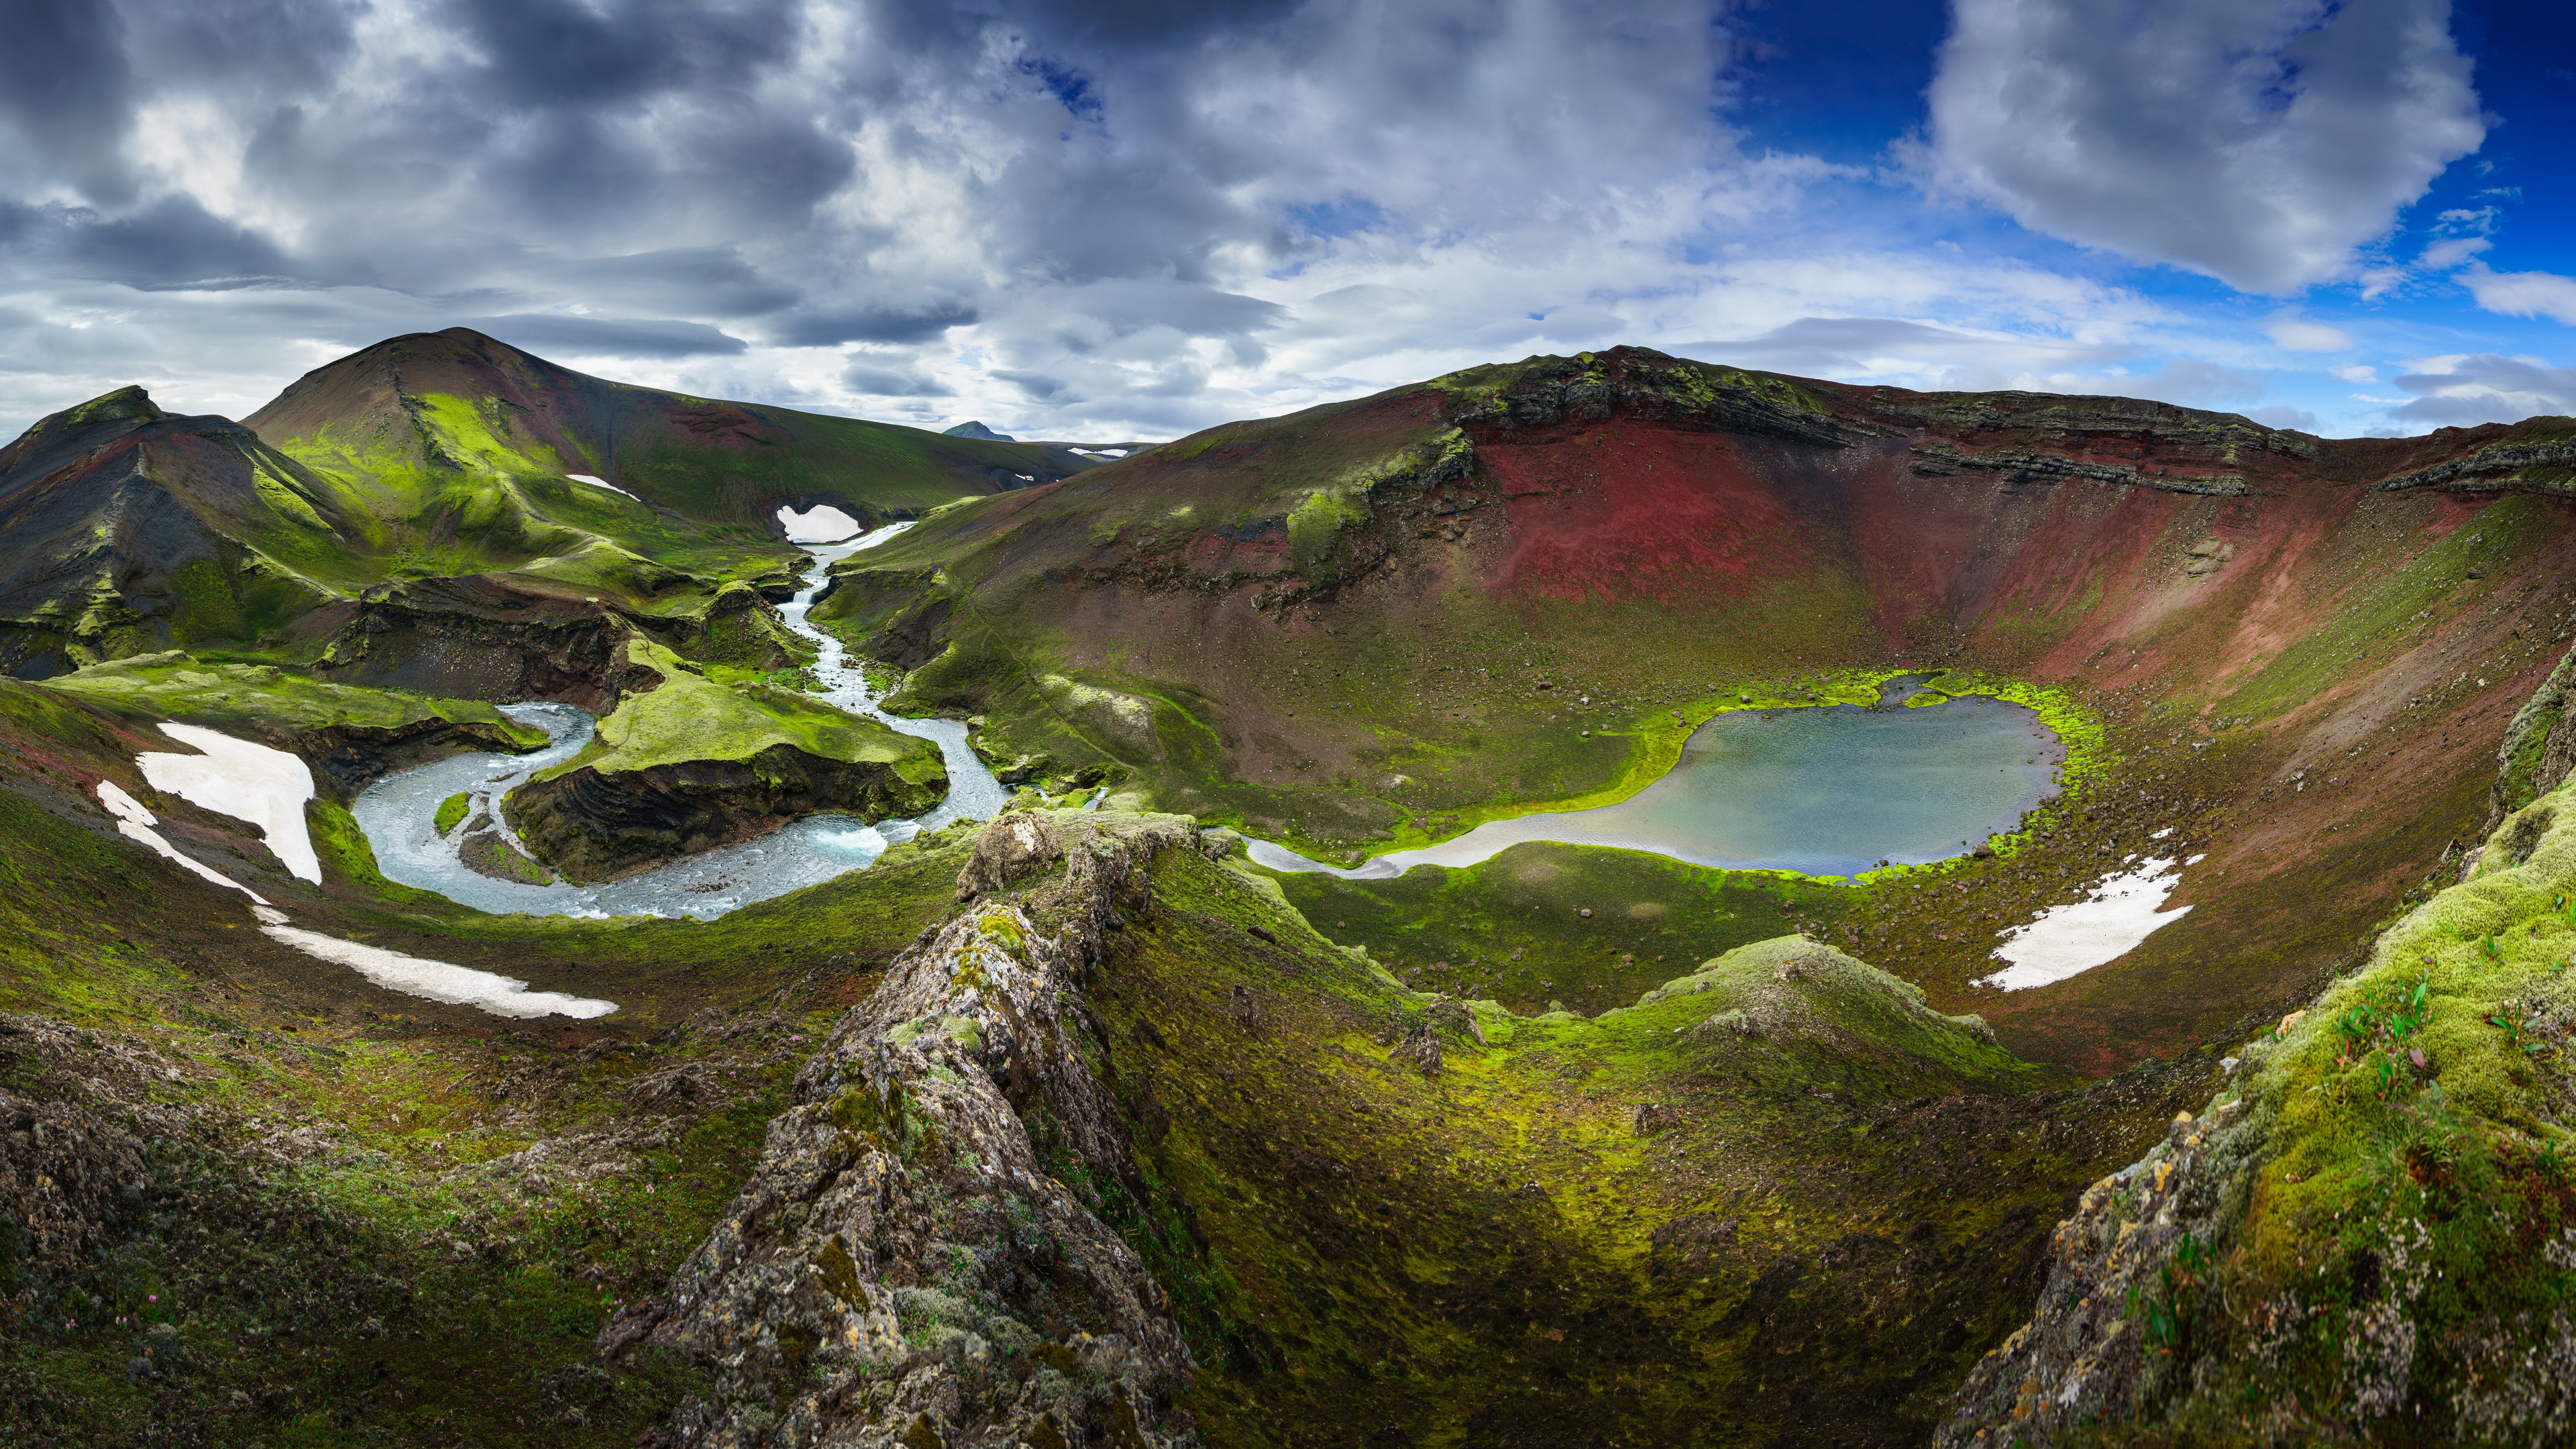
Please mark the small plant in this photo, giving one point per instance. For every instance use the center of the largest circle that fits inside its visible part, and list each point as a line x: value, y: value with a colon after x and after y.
x: 2515, y: 1022
x: 2165, y: 1314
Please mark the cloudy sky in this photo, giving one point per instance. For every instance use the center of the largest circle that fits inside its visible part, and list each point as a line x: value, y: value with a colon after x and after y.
x: 1135, y: 218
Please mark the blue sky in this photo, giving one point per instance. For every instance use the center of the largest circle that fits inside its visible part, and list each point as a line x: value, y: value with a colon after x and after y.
x: 1105, y: 219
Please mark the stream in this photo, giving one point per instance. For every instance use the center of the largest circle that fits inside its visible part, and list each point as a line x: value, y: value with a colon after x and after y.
x: 397, y: 813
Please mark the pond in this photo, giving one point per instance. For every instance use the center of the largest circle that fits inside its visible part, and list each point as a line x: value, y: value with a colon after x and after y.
x: 398, y: 813
x: 1828, y: 790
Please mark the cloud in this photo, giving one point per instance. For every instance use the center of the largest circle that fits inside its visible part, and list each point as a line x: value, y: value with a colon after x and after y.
x: 2522, y: 294
x: 2283, y: 416
x: 2441, y: 256
x: 1070, y: 218
x: 2466, y: 389
x: 581, y: 336
x: 2260, y: 142
x: 2298, y: 334
x: 1871, y: 346
x: 2356, y: 373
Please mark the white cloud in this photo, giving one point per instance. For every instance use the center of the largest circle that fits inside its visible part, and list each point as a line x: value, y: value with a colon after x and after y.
x: 2468, y: 388
x: 2298, y: 334
x: 2522, y: 294
x: 2441, y: 256
x: 2257, y: 141
x: 2355, y: 373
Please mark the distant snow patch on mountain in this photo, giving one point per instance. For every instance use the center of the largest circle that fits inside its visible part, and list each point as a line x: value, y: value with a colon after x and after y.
x: 596, y: 482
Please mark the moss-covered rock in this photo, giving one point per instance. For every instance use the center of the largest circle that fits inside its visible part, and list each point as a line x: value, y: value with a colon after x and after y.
x: 692, y: 764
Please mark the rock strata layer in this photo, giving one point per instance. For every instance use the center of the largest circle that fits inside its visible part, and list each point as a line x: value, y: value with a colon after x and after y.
x: 916, y: 1259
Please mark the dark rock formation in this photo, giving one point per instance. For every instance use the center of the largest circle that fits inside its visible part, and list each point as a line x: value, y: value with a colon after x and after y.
x: 593, y: 826
x: 910, y: 1262
x: 479, y: 639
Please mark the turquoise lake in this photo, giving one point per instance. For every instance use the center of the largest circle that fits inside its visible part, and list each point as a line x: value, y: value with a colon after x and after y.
x: 1824, y: 791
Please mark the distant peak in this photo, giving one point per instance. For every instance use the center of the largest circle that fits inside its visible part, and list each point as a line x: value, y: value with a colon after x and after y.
x: 127, y: 403
x: 979, y: 432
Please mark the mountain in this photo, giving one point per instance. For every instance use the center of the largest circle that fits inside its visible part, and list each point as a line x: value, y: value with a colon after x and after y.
x: 411, y: 410
x: 1341, y: 627
x: 977, y: 431
x: 525, y: 487
x: 1081, y: 1127
x: 124, y: 530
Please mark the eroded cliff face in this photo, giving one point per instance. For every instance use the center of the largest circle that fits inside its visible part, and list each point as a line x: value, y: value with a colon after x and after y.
x: 916, y: 1259
x: 595, y: 826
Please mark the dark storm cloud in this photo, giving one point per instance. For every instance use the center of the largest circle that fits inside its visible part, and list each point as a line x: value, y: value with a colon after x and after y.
x: 606, y: 336
x: 558, y: 55
x: 170, y: 242
x: 65, y: 89
x: 832, y: 327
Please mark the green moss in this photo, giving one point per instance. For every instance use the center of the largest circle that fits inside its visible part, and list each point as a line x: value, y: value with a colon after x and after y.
x: 1615, y: 1229
x: 690, y: 717
x: 181, y: 686
x: 451, y: 812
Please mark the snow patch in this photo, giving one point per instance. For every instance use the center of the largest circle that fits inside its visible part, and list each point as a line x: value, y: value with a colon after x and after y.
x: 2066, y: 940
x: 436, y: 980
x: 597, y: 482
x: 821, y: 523
x: 249, y: 782
x: 135, y: 823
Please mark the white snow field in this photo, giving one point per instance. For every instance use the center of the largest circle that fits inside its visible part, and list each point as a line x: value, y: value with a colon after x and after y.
x: 249, y: 782
x: 2122, y: 911
x: 821, y: 523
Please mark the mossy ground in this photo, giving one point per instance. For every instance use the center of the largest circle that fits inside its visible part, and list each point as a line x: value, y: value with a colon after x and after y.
x: 334, y: 1231
x: 227, y: 694
x: 1633, y: 1228
x: 691, y: 717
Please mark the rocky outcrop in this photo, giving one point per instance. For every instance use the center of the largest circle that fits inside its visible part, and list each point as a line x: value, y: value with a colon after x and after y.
x: 2526, y: 465
x: 479, y: 639
x: 2030, y: 465
x: 918, y: 1258
x: 1641, y: 383
x: 2124, y: 1278
x: 595, y: 826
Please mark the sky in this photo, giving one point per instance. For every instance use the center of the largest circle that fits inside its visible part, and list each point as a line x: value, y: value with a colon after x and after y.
x: 1133, y: 219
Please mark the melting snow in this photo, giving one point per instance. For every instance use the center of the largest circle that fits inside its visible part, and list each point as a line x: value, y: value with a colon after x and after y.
x: 436, y: 980
x: 411, y: 975
x: 135, y: 823
x: 249, y: 782
x: 602, y: 483
x: 821, y: 523
x: 2122, y: 911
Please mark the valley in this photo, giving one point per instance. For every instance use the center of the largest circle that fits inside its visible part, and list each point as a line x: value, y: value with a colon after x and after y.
x: 1591, y: 900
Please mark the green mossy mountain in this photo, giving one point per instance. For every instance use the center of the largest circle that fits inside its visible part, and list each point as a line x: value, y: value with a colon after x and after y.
x: 442, y: 466
x: 1078, y: 1128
